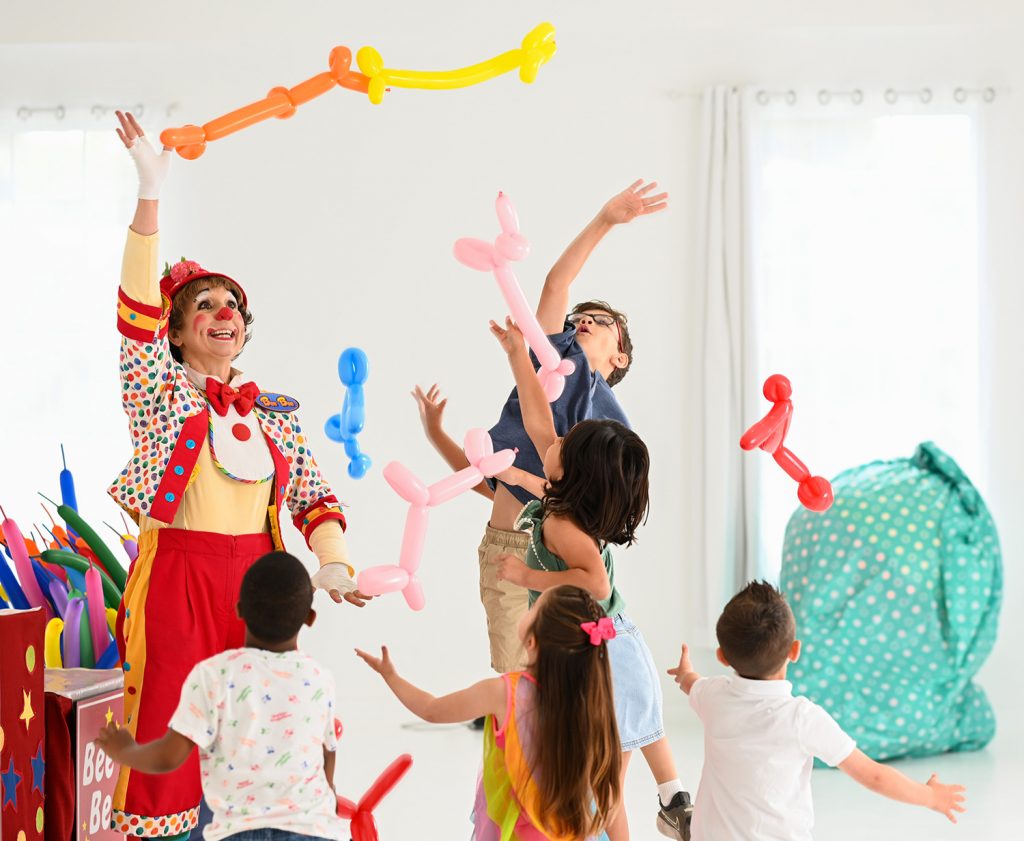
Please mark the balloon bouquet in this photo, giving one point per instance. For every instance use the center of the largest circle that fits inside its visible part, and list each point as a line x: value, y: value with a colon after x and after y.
x: 77, y: 582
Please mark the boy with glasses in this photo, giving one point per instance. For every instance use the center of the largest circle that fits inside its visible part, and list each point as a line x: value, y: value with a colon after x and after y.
x: 596, y: 337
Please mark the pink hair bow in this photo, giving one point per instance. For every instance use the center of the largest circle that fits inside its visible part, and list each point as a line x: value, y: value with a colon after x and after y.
x: 601, y: 630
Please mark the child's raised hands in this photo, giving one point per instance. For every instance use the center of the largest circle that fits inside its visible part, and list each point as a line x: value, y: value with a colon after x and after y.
x: 946, y: 799
x: 510, y: 337
x: 431, y: 406
x: 632, y: 202
x: 381, y: 665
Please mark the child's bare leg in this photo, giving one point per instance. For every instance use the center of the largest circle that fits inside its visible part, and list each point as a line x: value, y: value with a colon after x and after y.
x: 618, y: 828
x: 660, y: 760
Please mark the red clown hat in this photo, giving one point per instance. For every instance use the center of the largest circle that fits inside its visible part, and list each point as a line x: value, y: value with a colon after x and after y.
x: 185, y: 271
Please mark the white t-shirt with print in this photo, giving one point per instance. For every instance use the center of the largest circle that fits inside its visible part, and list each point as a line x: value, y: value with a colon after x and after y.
x: 759, y: 749
x: 261, y: 720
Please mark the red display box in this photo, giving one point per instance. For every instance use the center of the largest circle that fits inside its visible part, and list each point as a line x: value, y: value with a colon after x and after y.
x: 97, y: 696
x: 22, y: 725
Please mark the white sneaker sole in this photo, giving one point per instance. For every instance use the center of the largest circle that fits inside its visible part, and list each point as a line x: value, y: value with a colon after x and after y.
x: 666, y: 829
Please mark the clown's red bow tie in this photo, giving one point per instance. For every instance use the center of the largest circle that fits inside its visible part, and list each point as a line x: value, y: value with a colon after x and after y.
x: 221, y: 396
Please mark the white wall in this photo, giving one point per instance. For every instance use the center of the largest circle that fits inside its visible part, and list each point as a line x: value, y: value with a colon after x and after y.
x: 340, y: 222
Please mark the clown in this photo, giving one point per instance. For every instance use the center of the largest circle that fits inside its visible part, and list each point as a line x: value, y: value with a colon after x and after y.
x: 216, y: 460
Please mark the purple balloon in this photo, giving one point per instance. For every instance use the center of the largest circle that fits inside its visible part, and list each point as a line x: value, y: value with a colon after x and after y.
x: 72, y: 636
x: 59, y: 594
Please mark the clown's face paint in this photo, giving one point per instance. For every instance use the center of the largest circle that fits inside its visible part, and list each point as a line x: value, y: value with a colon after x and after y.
x: 213, y: 333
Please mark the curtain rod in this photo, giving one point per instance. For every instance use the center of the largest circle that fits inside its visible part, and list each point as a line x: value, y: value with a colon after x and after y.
x: 855, y: 96
x: 97, y: 110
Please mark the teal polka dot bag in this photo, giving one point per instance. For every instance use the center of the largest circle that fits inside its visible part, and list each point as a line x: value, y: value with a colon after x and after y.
x: 896, y: 591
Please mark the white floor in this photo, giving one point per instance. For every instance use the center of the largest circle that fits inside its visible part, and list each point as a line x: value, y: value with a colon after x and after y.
x: 433, y: 801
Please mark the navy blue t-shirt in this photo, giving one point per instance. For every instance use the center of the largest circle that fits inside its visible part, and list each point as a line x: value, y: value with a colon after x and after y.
x: 586, y: 396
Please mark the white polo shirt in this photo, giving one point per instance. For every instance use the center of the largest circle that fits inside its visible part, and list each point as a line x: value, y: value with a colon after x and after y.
x: 759, y: 748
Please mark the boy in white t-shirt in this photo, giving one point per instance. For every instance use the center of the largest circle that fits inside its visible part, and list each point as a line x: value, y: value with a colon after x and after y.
x: 760, y: 741
x: 262, y: 717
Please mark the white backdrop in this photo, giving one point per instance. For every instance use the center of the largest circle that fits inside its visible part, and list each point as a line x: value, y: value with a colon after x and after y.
x: 340, y: 223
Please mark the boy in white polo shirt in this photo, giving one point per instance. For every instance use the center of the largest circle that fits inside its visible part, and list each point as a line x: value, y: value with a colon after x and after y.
x: 760, y: 741
x: 262, y: 717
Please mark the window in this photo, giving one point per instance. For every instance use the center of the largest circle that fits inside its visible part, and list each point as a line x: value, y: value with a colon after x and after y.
x: 66, y: 199
x: 865, y: 271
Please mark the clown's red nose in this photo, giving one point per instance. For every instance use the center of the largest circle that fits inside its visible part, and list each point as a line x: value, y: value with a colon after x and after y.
x: 225, y: 314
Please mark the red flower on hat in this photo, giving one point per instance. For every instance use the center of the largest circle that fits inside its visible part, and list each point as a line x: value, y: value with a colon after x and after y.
x: 181, y: 270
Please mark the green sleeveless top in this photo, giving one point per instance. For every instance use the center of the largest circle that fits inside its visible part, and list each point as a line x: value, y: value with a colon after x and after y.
x: 539, y: 557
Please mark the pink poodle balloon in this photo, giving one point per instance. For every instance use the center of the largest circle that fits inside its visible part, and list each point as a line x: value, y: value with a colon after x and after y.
x: 483, y: 463
x: 511, y: 246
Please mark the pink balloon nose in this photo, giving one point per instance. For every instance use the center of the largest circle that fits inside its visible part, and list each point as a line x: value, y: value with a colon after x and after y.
x: 225, y: 314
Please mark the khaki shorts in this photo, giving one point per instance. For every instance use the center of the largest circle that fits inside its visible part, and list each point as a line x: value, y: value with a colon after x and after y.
x: 503, y: 602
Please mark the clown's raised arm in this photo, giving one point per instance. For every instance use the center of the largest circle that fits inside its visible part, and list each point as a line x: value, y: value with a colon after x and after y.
x: 216, y: 461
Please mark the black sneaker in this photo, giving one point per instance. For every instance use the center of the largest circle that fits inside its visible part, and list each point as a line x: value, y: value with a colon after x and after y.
x: 476, y: 723
x: 674, y: 819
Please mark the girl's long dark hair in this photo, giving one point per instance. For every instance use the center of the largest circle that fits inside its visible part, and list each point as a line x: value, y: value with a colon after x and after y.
x: 579, y: 759
x: 604, y: 486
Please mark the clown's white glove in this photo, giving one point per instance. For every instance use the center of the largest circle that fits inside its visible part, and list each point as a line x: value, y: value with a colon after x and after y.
x: 334, y: 576
x: 151, y: 165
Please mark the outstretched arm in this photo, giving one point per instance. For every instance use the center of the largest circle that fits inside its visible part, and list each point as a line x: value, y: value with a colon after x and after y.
x: 158, y: 757
x: 684, y: 674
x: 622, y: 208
x: 887, y: 781
x: 533, y: 403
x: 431, y: 406
x: 534, y: 485
x: 484, y: 698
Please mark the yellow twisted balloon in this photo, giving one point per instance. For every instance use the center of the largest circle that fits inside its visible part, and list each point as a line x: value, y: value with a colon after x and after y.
x: 51, y: 644
x: 537, y: 48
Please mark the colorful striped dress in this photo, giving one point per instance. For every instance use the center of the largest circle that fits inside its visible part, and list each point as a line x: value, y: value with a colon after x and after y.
x: 506, y: 805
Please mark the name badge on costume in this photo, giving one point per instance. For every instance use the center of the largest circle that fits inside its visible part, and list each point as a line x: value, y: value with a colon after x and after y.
x: 272, y: 402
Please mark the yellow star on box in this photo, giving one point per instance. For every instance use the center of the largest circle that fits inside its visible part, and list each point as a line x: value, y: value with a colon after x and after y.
x: 110, y: 715
x: 26, y: 714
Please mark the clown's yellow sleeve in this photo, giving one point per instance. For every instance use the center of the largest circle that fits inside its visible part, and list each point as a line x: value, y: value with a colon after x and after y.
x: 139, y: 274
x: 142, y: 322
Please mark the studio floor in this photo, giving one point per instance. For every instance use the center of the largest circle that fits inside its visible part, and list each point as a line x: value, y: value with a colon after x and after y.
x: 434, y: 800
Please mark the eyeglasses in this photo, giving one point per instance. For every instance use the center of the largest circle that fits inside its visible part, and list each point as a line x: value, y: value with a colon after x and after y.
x: 601, y: 318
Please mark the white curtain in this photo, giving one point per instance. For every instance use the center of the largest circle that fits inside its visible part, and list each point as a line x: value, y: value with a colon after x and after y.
x: 729, y: 389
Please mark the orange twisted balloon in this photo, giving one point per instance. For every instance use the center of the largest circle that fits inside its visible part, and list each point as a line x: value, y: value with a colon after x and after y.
x: 190, y: 141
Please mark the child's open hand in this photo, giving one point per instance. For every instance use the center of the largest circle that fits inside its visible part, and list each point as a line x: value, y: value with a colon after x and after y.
x: 431, y: 406
x: 510, y: 568
x: 946, y: 799
x: 381, y: 665
x: 684, y: 667
x: 114, y: 741
x: 510, y: 338
x: 632, y: 202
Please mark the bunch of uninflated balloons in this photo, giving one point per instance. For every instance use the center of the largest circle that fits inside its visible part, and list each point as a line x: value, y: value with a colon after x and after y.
x: 74, y: 578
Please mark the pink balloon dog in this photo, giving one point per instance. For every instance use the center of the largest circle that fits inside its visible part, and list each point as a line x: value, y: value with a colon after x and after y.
x: 483, y: 463
x: 510, y: 246
x: 769, y: 433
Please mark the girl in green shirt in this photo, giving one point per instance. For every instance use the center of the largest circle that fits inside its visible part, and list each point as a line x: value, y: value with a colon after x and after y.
x: 595, y: 494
